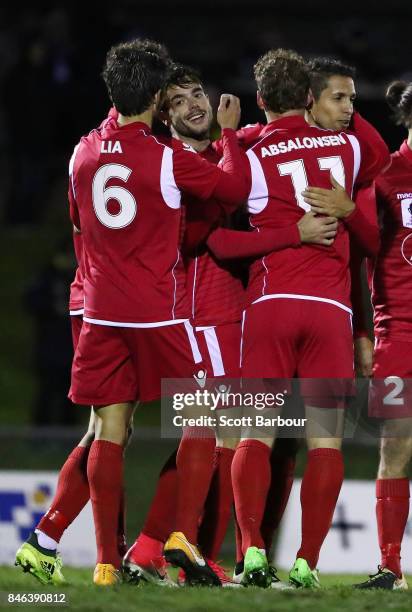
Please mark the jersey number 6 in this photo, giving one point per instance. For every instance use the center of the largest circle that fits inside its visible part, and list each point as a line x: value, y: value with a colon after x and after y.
x: 102, y: 194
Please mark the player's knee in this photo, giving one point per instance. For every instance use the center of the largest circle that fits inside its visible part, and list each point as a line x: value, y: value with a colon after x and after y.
x: 112, y: 424
x: 395, y: 457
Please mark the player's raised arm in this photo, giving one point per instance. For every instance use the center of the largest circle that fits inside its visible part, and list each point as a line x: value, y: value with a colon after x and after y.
x: 229, y: 183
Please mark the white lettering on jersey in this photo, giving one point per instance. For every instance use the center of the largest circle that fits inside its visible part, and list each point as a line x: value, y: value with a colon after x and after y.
x: 307, y: 142
x: 407, y: 212
x: 402, y: 196
x: 109, y: 147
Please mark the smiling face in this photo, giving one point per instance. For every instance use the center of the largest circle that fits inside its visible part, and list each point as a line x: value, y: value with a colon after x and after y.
x: 189, y: 110
x: 333, y: 109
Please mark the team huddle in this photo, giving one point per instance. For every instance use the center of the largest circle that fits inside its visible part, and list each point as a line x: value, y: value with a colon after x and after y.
x: 169, y: 286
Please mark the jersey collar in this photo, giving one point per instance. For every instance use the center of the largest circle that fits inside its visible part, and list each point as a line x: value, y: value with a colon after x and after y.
x: 284, y: 123
x: 112, y: 125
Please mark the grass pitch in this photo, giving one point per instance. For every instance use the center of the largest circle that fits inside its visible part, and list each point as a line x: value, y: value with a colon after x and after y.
x: 81, y: 594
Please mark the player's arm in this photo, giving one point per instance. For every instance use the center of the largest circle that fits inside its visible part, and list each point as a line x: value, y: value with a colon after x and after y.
x: 73, y: 208
x: 362, y: 343
x: 230, y: 181
x: 232, y: 244
x: 359, y: 217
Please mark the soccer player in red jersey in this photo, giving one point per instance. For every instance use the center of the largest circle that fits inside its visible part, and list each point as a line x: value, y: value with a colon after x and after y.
x: 331, y: 107
x: 390, y: 277
x: 73, y: 491
x: 121, y: 257
x: 217, y: 296
x: 333, y: 90
x: 310, y: 286
x: 126, y: 192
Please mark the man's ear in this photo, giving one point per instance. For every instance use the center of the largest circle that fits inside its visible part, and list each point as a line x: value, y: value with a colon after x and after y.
x: 259, y: 101
x: 310, y: 100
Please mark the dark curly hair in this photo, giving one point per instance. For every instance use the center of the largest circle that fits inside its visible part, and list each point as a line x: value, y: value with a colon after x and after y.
x: 399, y: 98
x: 134, y: 72
x: 322, y: 68
x: 282, y: 78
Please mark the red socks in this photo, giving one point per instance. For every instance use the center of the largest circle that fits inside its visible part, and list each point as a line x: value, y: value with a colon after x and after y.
x: 194, y: 473
x: 319, y: 493
x: 71, y: 496
x: 218, y: 507
x: 105, y: 475
x: 251, y: 481
x: 282, y: 463
x: 146, y: 549
x: 160, y: 520
x: 392, y: 510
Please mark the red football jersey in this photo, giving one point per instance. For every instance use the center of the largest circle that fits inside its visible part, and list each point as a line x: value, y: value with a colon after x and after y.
x: 127, y: 190
x: 390, y: 273
x: 290, y: 156
x: 214, y: 288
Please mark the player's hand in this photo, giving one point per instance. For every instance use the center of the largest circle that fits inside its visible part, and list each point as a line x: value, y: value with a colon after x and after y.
x: 363, y: 356
x: 333, y: 202
x: 317, y: 230
x: 228, y: 113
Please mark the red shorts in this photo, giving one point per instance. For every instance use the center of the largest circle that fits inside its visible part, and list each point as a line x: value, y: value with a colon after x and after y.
x: 284, y: 338
x: 220, y: 348
x: 76, y: 322
x: 390, y: 395
x: 116, y: 364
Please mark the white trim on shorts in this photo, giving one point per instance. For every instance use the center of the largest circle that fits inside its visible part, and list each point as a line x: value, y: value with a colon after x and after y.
x: 241, y: 338
x: 143, y: 325
x: 213, y: 347
x: 294, y: 296
x: 193, y: 342
x: 74, y: 313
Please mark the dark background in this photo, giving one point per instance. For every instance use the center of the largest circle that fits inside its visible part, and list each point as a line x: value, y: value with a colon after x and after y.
x: 51, y: 93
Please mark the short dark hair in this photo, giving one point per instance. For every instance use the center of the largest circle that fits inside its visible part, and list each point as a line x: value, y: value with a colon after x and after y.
x: 282, y: 78
x: 399, y: 98
x: 322, y: 68
x: 180, y: 75
x: 134, y: 72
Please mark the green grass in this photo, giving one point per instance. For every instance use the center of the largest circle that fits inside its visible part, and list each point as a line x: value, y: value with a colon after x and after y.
x: 337, y: 594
